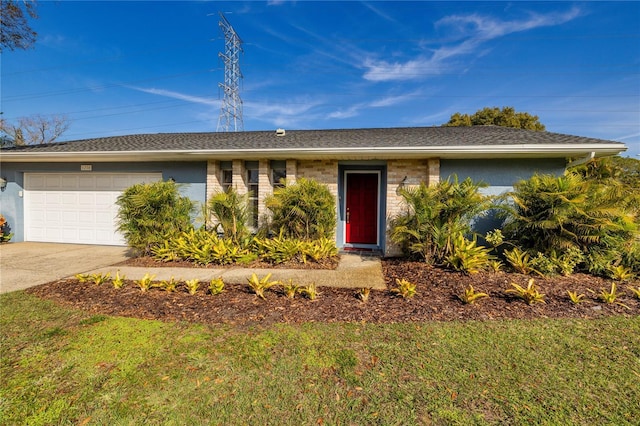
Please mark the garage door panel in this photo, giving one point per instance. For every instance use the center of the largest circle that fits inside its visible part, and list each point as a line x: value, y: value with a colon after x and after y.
x: 69, y: 182
x: 71, y: 217
x: 76, y: 207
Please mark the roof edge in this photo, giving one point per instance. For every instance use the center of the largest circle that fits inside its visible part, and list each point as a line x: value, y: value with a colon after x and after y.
x: 458, y: 151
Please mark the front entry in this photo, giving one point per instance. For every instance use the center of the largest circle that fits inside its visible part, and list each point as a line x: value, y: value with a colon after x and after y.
x: 361, y: 207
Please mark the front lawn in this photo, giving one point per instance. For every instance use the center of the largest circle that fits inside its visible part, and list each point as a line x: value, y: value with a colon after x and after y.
x: 63, y: 366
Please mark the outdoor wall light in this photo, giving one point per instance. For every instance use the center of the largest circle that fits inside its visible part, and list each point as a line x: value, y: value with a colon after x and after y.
x: 3, y: 183
x: 402, y: 183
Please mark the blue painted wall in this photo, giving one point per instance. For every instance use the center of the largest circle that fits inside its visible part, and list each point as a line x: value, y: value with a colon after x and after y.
x: 191, y: 175
x: 500, y: 172
x: 500, y: 175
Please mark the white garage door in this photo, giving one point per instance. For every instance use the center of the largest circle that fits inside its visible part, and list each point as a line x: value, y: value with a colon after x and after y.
x: 76, y: 207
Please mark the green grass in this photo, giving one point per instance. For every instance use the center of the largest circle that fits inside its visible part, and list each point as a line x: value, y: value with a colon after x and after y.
x: 61, y: 366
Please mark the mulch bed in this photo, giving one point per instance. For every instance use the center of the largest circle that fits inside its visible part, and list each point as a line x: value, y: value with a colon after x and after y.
x: 436, y: 300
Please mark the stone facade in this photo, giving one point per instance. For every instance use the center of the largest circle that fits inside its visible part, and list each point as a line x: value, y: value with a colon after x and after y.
x: 400, y: 173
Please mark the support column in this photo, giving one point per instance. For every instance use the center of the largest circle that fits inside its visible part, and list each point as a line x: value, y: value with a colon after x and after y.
x: 292, y: 171
x: 265, y: 188
x: 433, y: 171
x: 239, y: 177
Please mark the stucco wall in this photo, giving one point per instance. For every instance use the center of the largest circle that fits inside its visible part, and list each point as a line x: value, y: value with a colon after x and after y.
x: 500, y: 175
x: 191, y: 176
x: 500, y: 172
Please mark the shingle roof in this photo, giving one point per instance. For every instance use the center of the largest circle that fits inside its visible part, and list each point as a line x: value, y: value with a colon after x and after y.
x: 474, y: 137
x: 345, y: 144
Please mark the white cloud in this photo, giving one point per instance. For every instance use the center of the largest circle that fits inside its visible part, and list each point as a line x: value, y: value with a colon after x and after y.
x: 350, y: 112
x: 176, y: 95
x: 393, y: 100
x: 470, y: 31
x: 289, y: 114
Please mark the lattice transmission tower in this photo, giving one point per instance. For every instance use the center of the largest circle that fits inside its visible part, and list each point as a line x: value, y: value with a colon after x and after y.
x: 230, y: 119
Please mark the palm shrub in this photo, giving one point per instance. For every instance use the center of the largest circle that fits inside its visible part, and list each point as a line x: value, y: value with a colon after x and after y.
x: 570, y: 213
x: 305, y: 210
x: 232, y: 212
x: 435, y: 215
x: 150, y: 213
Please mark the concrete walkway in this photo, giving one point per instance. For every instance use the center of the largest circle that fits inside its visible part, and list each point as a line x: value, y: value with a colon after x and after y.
x: 354, y: 271
x: 24, y: 265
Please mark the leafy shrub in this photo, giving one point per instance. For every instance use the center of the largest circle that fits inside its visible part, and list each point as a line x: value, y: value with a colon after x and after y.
x: 169, y: 286
x: 530, y: 294
x: 363, y: 294
x: 202, y: 247
x: 310, y: 291
x: 260, y: 285
x: 290, y: 289
x: 150, y: 213
x: 146, y: 282
x: 559, y: 214
x: 611, y: 296
x: 519, y: 260
x: 470, y: 295
x: 232, y: 213
x: 305, y: 210
x: 118, y: 281
x: 620, y: 273
x: 575, y: 297
x: 280, y: 249
x: 192, y: 285
x: 467, y: 256
x: 98, y: 279
x: 5, y: 233
x: 216, y: 286
x: 543, y: 265
x: 405, y: 288
x: 435, y: 215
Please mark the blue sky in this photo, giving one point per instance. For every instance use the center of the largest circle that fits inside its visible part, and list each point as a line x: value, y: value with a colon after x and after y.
x: 152, y: 66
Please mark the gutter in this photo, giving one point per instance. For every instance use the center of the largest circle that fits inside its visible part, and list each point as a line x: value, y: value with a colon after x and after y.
x: 583, y: 160
x: 380, y: 153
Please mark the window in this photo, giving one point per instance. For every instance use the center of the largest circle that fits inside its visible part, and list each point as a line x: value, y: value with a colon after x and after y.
x: 226, y: 175
x: 252, y: 186
x: 278, y: 173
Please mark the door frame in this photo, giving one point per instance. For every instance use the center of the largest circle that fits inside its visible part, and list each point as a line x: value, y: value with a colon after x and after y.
x: 369, y: 167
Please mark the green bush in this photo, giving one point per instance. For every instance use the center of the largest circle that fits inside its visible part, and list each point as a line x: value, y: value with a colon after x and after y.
x: 280, y: 249
x: 468, y: 257
x: 305, y: 210
x: 202, y: 247
x: 150, y: 213
x: 435, y: 215
x: 571, y: 214
x: 232, y: 213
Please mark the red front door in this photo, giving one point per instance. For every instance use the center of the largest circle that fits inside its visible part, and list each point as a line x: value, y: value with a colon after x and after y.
x: 361, y: 213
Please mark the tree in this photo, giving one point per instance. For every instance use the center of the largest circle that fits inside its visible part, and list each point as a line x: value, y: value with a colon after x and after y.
x: 36, y: 129
x: 505, y: 117
x: 15, y: 32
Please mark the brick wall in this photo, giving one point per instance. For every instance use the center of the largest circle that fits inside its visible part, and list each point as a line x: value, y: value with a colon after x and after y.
x: 323, y: 171
x: 415, y: 172
x: 265, y: 188
x: 213, y: 178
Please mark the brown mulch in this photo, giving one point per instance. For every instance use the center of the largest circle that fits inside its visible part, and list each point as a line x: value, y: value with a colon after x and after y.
x: 437, y: 299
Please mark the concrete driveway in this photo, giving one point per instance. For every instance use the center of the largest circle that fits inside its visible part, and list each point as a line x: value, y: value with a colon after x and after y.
x: 24, y: 265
